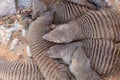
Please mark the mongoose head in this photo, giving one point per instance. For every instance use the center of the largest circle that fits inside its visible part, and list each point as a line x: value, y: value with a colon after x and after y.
x: 64, y: 51
x: 64, y: 33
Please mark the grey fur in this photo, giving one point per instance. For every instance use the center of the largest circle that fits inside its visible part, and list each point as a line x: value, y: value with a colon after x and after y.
x: 37, y: 10
x: 103, y: 24
x: 100, y: 3
x: 80, y: 66
x: 50, y: 68
x: 64, y: 51
x: 19, y: 70
x: 65, y: 11
x: 90, y: 3
x: 104, y: 55
x: 75, y: 56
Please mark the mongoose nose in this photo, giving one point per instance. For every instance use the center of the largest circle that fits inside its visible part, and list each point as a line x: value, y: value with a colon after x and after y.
x: 49, y: 38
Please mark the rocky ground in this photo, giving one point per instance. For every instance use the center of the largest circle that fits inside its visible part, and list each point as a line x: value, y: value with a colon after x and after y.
x: 13, y: 45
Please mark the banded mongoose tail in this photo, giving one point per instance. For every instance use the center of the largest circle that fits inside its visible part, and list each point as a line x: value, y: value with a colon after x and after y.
x: 50, y: 68
x: 93, y: 4
x: 19, y: 70
x: 103, y: 24
x: 80, y: 66
x: 63, y: 51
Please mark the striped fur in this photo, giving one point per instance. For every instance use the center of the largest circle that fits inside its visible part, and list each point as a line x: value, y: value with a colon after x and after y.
x: 19, y: 70
x: 64, y: 11
x: 74, y: 55
x: 87, y: 3
x: 103, y: 24
x: 67, y: 11
x: 64, y: 51
x: 93, y: 4
x: 80, y: 66
x: 104, y: 55
x: 37, y: 10
x: 50, y: 68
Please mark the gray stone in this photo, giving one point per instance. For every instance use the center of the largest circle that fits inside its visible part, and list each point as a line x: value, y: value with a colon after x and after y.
x: 7, y: 7
x: 24, y: 3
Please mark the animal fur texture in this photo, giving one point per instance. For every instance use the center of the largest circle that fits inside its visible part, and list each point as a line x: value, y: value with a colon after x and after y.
x: 103, y: 24
x: 65, y: 11
x: 104, y: 55
x: 50, y: 68
x: 19, y: 70
x: 80, y: 66
x: 93, y: 4
x: 64, y: 51
x: 39, y: 7
x: 37, y: 43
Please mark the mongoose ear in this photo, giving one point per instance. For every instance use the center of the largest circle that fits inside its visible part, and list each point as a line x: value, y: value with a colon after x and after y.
x: 54, y: 51
x: 79, y: 54
x: 51, y: 54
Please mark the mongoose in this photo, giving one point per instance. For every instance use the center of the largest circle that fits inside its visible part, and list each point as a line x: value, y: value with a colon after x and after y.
x: 64, y: 51
x: 65, y: 11
x: 50, y: 69
x: 103, y: 24
x: 104, y: 55
x: 74, y: 55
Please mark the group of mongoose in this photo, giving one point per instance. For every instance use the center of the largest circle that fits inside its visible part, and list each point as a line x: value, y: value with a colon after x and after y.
x: 69, y: 40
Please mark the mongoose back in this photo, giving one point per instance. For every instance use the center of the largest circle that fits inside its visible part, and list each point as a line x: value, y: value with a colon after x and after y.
x: 50, y: 68
x: 19, y: 70
x: 103, y: 24
x: 65, y: 11
x: 104, y: 55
